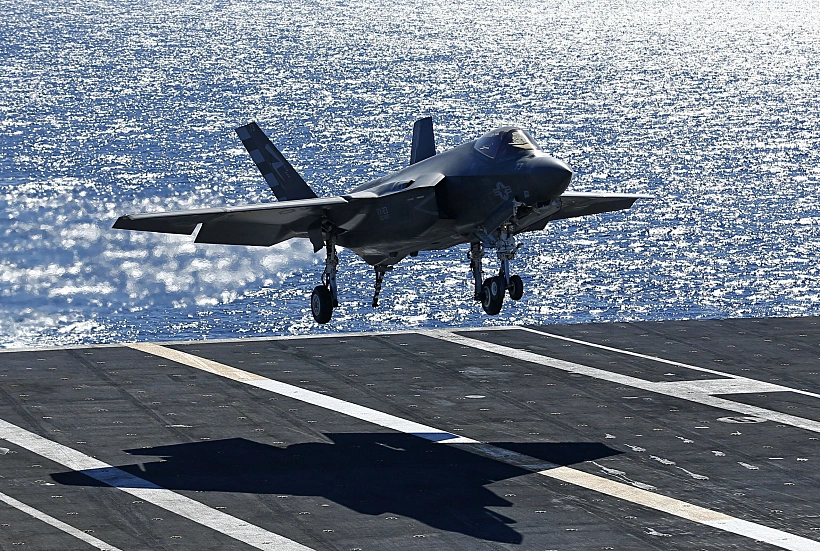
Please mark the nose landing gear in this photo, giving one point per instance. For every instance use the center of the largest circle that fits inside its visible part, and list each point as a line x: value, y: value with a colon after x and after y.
x: 491, y: 292
x: 516, y: 287
x: 492, y: 295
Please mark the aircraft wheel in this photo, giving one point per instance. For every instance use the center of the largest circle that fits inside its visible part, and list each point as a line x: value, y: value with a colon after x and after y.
x: 321, y: 304
x: 493, y: 291
x: 517, y: 287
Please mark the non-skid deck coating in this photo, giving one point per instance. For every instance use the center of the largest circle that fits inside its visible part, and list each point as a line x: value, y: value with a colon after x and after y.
x: 674, y: 435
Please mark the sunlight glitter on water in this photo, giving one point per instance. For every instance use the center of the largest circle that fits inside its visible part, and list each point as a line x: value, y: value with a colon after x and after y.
x: 110, y: 108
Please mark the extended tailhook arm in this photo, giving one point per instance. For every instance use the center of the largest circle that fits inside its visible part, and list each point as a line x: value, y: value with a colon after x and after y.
x: 380, y: 271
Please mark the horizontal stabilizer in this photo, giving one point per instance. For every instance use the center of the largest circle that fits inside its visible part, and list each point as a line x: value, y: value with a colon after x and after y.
x: 424, y: 144
x: 285, y: 182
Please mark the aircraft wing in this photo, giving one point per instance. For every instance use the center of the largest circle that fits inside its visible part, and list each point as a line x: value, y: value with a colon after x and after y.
x: 264, y: 225
x: 574, y: 204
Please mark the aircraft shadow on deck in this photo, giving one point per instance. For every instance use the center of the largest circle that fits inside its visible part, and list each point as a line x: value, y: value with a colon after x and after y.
x: 373, y: 474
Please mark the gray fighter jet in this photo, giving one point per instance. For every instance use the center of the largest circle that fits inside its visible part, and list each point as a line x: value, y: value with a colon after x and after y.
x: 483, y: 192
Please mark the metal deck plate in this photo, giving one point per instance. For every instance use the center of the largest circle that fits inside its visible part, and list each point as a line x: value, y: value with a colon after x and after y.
x: 562, y: 437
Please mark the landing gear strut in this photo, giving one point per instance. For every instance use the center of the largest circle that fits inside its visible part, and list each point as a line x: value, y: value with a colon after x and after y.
x: 491, y: 291
x: 475, y: 256
x: 380, y: 271
x: 325, y: 296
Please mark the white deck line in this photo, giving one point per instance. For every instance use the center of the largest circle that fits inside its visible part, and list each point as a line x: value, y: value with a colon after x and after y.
x: 60, y: 525
x: 720, y: 386
x: 675, y: 389
x: 147, y: 491
x: 599, y: 484
x: 684, y: 510
x: 240, y: 340
x: 272, y: 338
x: 303, y: 395
x: 770, y: 387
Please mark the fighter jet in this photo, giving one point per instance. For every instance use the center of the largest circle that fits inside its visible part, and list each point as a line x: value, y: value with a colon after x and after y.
x: 482, y: 193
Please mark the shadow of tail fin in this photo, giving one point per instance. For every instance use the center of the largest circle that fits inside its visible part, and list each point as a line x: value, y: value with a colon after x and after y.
x: 277, y: 171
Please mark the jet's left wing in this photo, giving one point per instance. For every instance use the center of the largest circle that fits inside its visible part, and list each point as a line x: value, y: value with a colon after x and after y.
x: 574, y: 204
x: 262, y: 225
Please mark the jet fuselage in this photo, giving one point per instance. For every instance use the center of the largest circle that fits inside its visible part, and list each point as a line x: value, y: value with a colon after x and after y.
x: 483, y: 193
x: 418, y: 212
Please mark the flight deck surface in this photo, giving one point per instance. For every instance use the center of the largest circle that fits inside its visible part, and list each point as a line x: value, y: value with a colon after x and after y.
x: 657, y: 435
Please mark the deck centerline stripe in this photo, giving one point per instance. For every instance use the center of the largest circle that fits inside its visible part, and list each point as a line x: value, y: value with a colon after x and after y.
x: 779, y: 388
x: 147, y: 491
x: 60, y: 525
x: 675, y: 389
x: 685, y: 510
x: 626, y: 352
x: 322, y: 400
x: 596, y: 483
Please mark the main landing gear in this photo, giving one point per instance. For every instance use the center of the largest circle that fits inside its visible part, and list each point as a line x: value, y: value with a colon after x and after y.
x: 491, y: 291
x: 325, y: 297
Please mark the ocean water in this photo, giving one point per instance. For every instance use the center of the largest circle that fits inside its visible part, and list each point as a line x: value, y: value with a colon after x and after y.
x: 109, y: 108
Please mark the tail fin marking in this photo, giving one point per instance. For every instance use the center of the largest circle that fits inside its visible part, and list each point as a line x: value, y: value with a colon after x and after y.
x: 282, y: 178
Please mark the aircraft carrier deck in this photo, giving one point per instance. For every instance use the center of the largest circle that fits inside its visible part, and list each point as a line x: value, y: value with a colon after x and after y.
x: 654, y: 435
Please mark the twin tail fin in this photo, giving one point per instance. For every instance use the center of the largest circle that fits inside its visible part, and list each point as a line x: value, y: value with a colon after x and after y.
x: 283, y: 179
x: 424, y: 144
x: 285, y: 182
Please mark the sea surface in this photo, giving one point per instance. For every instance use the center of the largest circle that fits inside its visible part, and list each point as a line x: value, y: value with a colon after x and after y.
x: 108, y: 108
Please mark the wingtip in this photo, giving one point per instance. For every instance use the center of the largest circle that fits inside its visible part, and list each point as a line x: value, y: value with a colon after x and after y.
x: 122, y: 222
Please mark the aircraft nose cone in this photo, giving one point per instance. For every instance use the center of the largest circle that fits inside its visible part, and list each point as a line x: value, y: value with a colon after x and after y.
x: 551, y: 165
x: 555, y: 170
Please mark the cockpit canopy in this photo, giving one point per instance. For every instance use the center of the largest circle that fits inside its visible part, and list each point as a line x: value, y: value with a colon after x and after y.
x: 505, y: 142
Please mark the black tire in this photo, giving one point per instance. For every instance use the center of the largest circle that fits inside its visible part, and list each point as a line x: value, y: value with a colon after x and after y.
x: 516, y: 287
x: 493, y: 291
x: 321, y: 304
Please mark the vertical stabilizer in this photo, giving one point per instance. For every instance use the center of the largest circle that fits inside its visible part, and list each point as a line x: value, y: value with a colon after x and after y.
x: 280, y: 176
x: 424, y: 144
